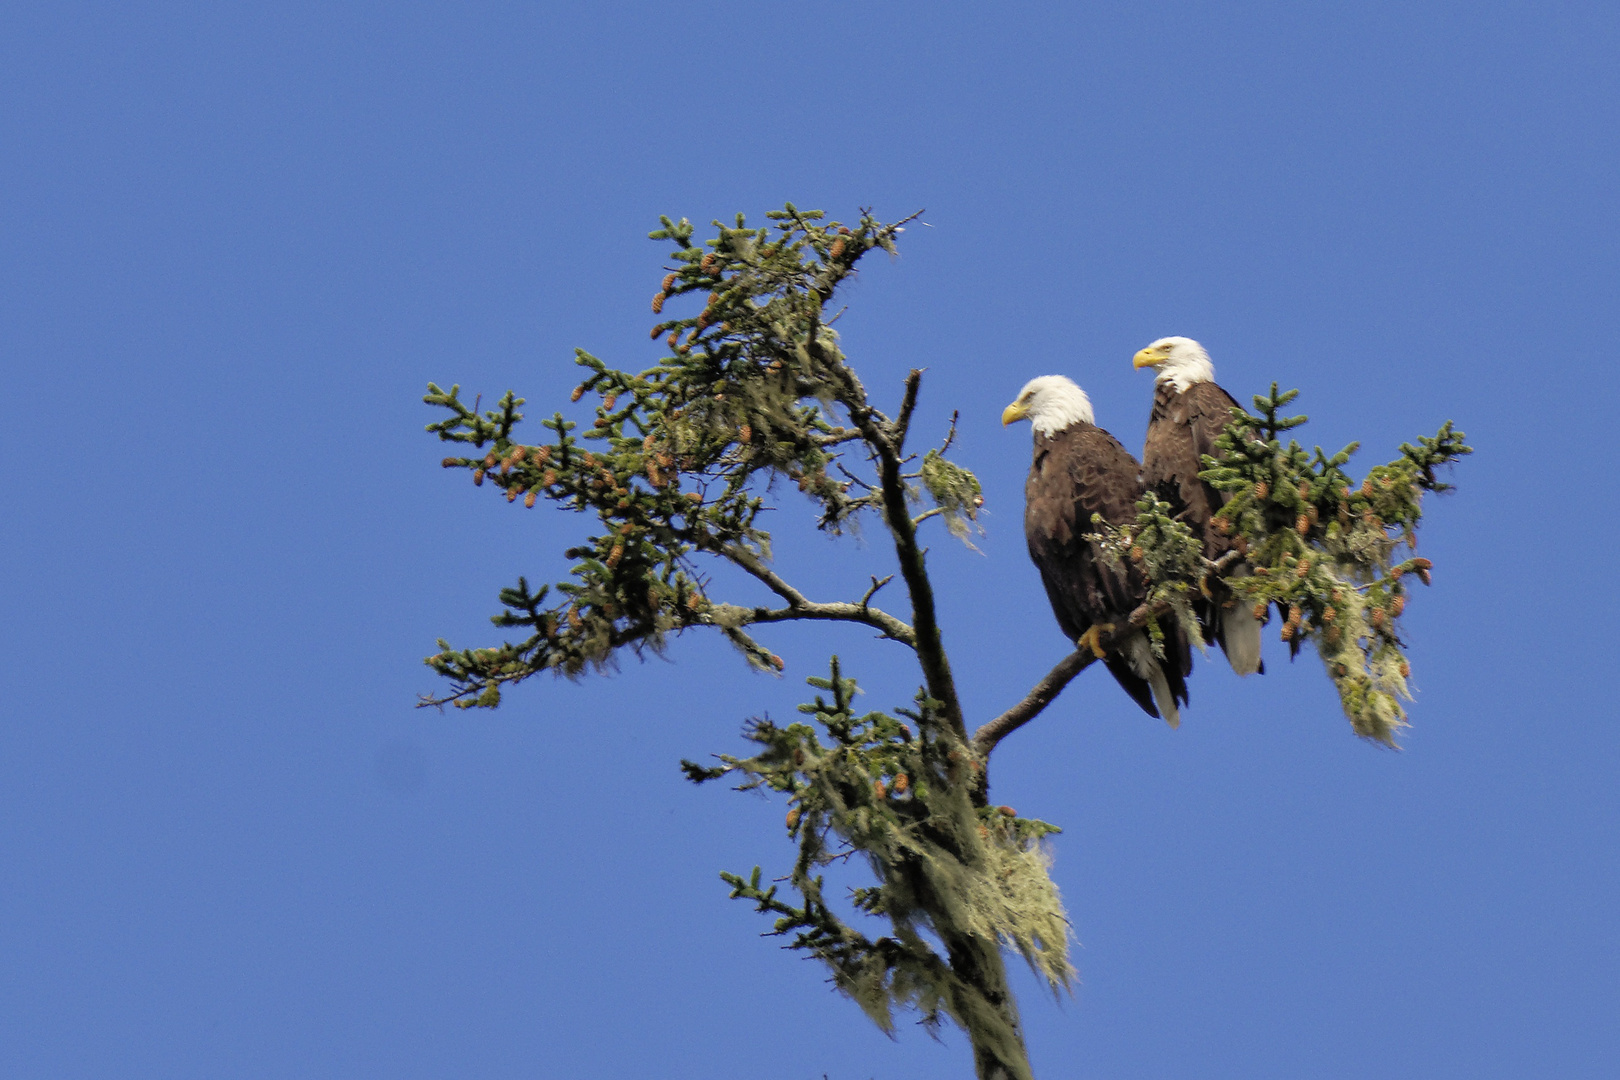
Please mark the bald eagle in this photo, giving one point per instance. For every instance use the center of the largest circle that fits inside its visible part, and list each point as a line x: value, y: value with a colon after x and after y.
x: 1080, y: 470
x: 1189, y: 414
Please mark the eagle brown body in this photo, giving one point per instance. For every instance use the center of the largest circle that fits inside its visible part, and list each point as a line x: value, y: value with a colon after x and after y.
x: 1189, y: 413
x: 1182, y: 428
x: 1077, y: 472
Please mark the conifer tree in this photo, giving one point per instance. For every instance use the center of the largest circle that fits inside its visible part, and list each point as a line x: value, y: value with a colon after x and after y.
x: 676, y: 465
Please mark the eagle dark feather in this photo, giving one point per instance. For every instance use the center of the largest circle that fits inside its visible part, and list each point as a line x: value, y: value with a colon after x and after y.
x: 1077, y: 472
x: 1182, y: 428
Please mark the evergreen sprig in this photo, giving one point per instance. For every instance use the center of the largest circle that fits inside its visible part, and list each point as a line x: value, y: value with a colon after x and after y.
x: 1163, y: 554
x: 898, y: 793
x: 681, y: 459
x: 1323, y: 549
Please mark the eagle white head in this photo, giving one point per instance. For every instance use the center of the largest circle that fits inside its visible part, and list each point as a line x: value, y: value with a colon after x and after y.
x: 1177, y: 360
x: 1050, y: 403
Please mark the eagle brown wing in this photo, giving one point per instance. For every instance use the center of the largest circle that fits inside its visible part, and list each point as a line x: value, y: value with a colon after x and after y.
x: 1182, y: 428
x: 1077, y: 472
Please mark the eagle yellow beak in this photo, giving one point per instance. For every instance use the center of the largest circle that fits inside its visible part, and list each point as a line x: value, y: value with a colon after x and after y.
x: 1148, y: 358
x: 1013, y: 412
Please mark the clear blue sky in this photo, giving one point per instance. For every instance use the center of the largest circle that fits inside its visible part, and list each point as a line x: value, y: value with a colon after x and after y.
x: 237, y: 241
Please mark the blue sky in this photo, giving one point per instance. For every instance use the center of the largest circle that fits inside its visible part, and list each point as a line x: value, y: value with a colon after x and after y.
x: 238, y: 242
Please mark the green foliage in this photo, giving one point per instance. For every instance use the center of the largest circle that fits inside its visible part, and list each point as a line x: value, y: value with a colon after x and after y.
x: 675, y: 466
x: 898, y: 794
x: 1323, y: 549
x: 955, y: 491
x: 681, y: 459
x: 1165, y: 555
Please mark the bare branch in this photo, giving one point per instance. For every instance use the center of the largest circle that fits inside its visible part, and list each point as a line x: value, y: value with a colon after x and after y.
x: 929, y: 644
x: 908, y: 405
x: 1039, y: 697
x: 876, y: 585
x: 835, y: 437
x: 799, y: 607
x: 752, y: 563
x: 723, y: 614
x: 950, y: 436
x: 854, y: 479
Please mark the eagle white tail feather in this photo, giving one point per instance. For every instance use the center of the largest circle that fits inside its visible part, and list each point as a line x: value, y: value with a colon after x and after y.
x: 1139, y: 655
x: 1240, y: 632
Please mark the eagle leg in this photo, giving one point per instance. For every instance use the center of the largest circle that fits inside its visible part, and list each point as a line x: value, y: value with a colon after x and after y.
x: 1203, y: 587
x: 1092, y: 639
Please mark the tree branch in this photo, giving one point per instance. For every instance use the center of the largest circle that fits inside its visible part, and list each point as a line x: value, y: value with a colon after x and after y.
x: 930, y: 647
x: 1039, y: 697
x: 756, y: 567
x: 799, y: 607
x: 908, y: 405
x: 891, y: 627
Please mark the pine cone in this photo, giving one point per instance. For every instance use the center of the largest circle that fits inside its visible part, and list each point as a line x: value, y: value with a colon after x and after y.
x: 478, y: 477
x: 837, y: 250
x: 579, y: 392
x: 528, y: 501
x: 793, y: 817
x: 658, y: 304
x: 879, y: 790
x: 610, y: 401
x: 902, y: 784
x: 1302, y: 524
x: 1262, y: 491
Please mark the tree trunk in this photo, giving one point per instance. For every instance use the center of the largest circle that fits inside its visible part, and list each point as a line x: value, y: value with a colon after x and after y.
x: 987, y: 1011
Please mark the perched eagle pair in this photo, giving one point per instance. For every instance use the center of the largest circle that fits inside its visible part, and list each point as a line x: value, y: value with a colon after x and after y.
x: 1080, y: 470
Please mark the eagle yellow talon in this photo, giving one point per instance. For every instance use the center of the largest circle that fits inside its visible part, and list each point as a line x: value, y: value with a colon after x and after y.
x: 1092, y: 639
